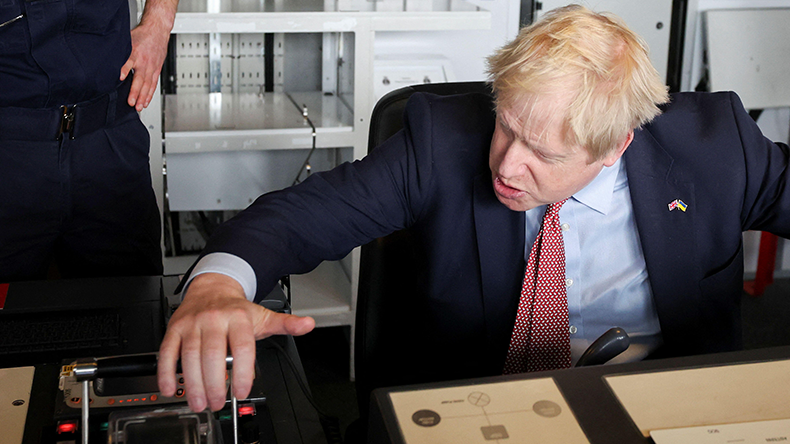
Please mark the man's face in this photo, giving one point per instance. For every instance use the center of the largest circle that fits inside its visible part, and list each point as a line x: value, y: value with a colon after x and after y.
x: 530, y: 163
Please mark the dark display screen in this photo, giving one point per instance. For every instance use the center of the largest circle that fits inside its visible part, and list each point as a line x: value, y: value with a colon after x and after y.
x: 125, y: 386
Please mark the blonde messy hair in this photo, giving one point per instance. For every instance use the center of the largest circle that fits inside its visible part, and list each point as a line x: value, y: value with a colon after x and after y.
x: 596, y: 59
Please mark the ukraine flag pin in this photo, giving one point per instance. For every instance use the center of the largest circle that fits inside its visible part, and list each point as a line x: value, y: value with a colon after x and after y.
x: 679, y: 204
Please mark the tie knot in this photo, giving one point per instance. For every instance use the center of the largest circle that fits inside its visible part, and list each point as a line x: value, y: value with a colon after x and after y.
x: 554, y: 208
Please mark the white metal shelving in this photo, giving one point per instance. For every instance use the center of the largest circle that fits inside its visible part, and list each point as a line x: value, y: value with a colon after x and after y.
x: 247, y: 121
x: 204, y: 122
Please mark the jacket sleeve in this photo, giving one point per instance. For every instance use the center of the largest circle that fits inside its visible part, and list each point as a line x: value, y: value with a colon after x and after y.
x: 291, y: 231
x: 766, y: 203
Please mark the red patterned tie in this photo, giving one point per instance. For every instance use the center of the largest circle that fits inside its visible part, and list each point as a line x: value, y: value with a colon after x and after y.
x: 540, y: 339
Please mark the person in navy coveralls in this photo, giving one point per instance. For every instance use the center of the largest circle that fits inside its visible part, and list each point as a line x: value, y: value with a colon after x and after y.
x: 75, y: 181
x: 660, y: 189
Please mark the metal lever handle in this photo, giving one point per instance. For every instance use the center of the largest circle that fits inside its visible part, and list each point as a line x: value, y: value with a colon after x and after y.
x: 135, y: 365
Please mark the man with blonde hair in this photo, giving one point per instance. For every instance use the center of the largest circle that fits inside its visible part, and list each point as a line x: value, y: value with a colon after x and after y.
x: 587, y: 200
x: 595, y: 62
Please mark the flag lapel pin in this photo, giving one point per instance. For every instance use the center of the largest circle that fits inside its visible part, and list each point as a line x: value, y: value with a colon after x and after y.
x: 679, y: 204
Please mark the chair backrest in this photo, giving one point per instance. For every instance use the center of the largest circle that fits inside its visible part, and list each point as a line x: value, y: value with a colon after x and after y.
x: 391, y: 278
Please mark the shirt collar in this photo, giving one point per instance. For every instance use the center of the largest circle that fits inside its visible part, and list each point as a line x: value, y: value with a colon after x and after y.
x: 597, y: 195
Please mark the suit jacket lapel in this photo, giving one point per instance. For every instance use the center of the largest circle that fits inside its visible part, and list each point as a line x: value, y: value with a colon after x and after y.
x: 500, y: 243
x: 667, y: 236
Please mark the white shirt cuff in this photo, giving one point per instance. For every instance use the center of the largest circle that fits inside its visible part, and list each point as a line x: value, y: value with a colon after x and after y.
x: 230, y: 265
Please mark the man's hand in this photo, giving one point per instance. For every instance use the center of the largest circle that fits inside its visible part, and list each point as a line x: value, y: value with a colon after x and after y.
x: 149, y: 48
x: 214, y: 315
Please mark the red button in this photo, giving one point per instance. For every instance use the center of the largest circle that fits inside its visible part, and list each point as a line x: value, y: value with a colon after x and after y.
x: 67, y: 427
x: 245, y: 410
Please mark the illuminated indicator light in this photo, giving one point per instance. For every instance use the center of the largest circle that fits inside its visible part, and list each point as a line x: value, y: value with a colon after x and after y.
x: 129, y: 400
x: 246, y: 410
x: 120, y: 401
x: 145, y: 399
x: 136, y: 399
x: 67, y: 427
x: 154, y: 397
x: 3, y: 294
x: 104, y: 426
x: 111, y: 401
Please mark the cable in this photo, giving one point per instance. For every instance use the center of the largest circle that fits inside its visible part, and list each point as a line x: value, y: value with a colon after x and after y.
x: 285, y: 285
x: 306, y: 163
x: 299, y: 380
x: 330, y: 423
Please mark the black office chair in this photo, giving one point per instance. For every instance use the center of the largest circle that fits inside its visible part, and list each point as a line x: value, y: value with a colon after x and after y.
x: 391, y: 280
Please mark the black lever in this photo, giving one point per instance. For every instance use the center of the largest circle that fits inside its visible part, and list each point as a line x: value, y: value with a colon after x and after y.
x: 609, y: 345
x: 118, y: 366
x: 139, y: 365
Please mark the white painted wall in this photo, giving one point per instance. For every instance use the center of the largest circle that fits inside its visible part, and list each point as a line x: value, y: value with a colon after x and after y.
x: 466, y: 50
x: 692, y: 55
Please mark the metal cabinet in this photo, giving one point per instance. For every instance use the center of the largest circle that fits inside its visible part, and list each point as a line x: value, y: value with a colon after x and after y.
x: 241, y: 121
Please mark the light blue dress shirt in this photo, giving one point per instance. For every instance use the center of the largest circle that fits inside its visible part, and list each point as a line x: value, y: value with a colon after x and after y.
x: 605, y: 273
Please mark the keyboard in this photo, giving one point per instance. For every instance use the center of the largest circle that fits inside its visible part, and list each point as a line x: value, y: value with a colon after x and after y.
x: 58, y: 331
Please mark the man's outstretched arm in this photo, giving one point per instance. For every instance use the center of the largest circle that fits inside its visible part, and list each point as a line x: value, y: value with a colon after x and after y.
x: 213, y: 318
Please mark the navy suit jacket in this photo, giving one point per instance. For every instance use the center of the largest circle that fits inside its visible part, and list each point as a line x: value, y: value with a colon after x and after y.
x: 433, y: 177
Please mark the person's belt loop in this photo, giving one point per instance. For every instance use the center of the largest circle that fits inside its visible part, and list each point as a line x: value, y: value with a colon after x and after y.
x: 66, y: 122
x: 113, y: 96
